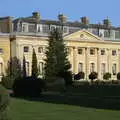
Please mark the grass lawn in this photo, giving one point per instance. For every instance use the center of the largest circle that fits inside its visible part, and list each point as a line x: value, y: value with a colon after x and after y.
x: 21, y: 109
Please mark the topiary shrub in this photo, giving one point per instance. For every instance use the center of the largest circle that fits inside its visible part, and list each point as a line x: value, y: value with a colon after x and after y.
x: 79, y: 76
x: 28, y: 87
x: 118, y: 76
x: 4, y: 102
x: 107, y: 76
x: 93, y: 75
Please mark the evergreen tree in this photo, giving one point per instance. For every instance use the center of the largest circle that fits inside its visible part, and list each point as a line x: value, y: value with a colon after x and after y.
x: 63, y: 65
x: 13, y: 72
x: 50, y: 60
x: 57, y: 63
x: 34, y: 64
x: 24, y: 67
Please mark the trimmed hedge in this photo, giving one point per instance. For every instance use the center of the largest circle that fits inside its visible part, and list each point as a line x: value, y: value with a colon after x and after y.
x: 96, y: 89
x: 28, y: 87
x: 4, y: 102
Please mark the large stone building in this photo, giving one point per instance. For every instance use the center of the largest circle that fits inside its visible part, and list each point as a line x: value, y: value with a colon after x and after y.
x: 4, y: 52
x: 91, y: 47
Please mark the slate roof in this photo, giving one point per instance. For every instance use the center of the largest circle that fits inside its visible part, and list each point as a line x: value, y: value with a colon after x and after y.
x: 31, y: 19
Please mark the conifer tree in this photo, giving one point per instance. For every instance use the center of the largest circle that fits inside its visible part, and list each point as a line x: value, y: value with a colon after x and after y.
x: 13, y: 72
x: 34, y: 64
x: 57, y: 63
x: 24, y: 67
x: 50, y: 60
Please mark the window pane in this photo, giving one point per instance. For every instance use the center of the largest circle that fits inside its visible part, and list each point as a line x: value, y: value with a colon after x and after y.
x: 31, y: 28
x: 80, y: 67
x: 92, y: 67
x: 80, y: 51
x: 114, y: 69
x: 117, y: 34
x: 40, y: 50
x: 113, y: 52
x: 26, y: 49
x: 65, y: 30
x: 24, y: 27
x: 106, y: 33
x: 92, y: 51
x: 102, y: 52
x: 41, y: 66
x: 27, y: 68
x: 103, y: 68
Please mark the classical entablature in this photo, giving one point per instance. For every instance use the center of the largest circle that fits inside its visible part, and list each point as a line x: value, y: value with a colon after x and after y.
x: 83, y: 35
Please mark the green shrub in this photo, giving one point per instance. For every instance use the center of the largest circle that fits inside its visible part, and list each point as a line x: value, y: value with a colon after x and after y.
x: 79, y: 76
x: 93, y: 75
x: 7, y: 82
x: 118, y: 75
x: 28, y: 87
x: 4, y: 102
x: 107, y: 76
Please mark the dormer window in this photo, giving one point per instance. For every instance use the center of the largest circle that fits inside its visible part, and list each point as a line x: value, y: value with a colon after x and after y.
x: 65, y: 30
x: 107, y: 33
x: 24, y: 27
x: 38, y: 28
x: 31, y: 28
x: 52, y: 27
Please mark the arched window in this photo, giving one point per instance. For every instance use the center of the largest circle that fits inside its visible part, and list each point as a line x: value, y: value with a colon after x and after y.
x: 80, y: 67
x: 27, y: 68
x: 40, y: 49
x: 114, y: 69
x: 103, y: 67
x: 41, y: 68
x: 92, y: 67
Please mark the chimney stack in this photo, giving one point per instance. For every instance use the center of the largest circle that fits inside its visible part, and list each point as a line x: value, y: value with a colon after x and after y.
x: 84, y: 20
x: 62, y: 18
x: 107, y: 22
x: 36, y: 15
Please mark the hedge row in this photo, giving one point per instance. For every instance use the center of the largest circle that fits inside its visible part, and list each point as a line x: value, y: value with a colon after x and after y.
x: 4, y: 102
x: 96, y: 89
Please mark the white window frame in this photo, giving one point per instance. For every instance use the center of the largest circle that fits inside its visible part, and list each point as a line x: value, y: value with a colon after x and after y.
x: 92, y: 67
x: 26, y: 27
x: 41, y: 67
x: 103, y: 69
x: 80, y: 67
x: 114, y: 68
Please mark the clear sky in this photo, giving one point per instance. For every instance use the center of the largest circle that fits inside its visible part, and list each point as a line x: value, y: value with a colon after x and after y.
x: 95, y: 10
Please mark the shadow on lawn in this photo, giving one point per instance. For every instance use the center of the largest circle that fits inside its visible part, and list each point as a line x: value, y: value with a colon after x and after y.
x: 83, y: 101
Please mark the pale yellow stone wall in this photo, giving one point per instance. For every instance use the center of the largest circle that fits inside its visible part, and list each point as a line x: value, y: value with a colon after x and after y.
x: 81, y: 39
x: 5, y: 45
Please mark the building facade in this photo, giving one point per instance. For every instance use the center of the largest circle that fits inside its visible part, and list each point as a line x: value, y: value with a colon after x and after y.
x: 86, y: 52
x: 91, y: 47
x: 4, y: 52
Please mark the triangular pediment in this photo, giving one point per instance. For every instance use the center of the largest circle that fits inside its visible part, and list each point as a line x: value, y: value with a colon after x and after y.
x: 83, y: 35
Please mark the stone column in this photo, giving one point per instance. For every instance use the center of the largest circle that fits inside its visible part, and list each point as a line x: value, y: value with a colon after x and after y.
x: 86, y: 63
x: 75, y: 60
x: 119, y: 60
x: 98, y: 62
x: 108, y: 59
